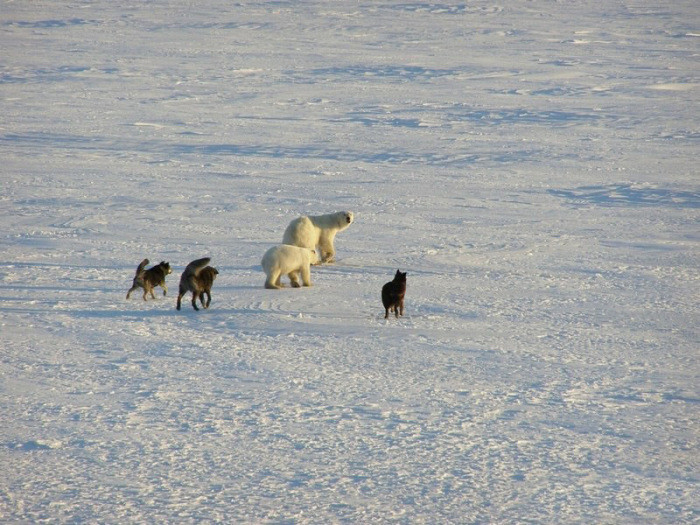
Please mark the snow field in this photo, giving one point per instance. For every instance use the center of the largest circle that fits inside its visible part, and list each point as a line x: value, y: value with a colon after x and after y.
x: 531, y: 166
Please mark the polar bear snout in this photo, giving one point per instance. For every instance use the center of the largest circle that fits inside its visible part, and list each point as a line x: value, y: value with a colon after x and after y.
x: 349, y: 217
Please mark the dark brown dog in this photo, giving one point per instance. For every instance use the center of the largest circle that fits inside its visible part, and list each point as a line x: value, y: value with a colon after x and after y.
x: 149, y: 279
x: 393, y: 293
x: 197, y: 278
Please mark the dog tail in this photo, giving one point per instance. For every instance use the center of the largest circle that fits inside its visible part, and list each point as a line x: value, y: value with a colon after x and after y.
x: 143, y: 264
x: 195, y: 266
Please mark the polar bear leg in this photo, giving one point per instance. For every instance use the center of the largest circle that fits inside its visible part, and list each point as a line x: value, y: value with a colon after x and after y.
x: 326, y: 247
x: 294, y: 278
x: 306, y: 276
x: 273, y: 280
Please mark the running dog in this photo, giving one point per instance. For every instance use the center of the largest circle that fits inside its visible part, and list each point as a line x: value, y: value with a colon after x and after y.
x: 149, y: 279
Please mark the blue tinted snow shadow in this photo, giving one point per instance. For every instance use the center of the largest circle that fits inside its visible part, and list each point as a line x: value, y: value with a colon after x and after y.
x: 168, y: 310
x: 171, y: 150
x: 383, y: 72
x: 368, y: 121
x: 27, y: 446
x: 48, y: 24
x: 615, y: 195
x: 444, y: 9
x: 59, y: 73
x: 523, y: 116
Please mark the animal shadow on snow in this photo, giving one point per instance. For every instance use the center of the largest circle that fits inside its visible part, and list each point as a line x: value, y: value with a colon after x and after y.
x: 146, y: 313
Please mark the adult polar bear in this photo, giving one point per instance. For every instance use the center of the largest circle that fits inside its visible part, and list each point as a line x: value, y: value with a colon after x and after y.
x: 318, y: 231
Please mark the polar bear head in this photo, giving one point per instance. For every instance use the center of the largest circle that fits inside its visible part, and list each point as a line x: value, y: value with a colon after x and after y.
x: 313, y: 257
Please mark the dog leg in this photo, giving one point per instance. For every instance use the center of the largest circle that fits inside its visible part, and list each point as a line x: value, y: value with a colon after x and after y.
x: 194, y: 300
x: 179, y: 299
x: 128, y: 294
x: 201, y: 299
x: 165, y: 288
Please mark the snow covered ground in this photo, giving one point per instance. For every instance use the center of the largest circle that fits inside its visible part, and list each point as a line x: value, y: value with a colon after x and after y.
x: 531, y: 165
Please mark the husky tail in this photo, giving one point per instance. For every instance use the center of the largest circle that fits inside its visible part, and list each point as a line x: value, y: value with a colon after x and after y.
x: 138, y: 278
x: 142, y: 266
x: 194, y: 267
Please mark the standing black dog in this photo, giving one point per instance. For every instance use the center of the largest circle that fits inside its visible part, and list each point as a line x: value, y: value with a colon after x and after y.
x: 149, y: 279
x: 197, y: 278
x: 393, y: 293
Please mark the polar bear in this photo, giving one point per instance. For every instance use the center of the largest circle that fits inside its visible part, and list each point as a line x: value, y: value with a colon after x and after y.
x: 318, y: 230
x: 285, y: 259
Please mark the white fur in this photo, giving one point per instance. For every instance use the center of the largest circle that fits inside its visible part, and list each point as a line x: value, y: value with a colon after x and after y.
x: 288, y: 260
x: 318, y: 231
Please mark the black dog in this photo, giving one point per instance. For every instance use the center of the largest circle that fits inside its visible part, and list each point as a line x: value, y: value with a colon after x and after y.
x: 149, y: 279
x: 197, y: 278
x: 393, y: 293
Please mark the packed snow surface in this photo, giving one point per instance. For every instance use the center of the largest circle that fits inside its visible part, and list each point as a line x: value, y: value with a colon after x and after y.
x: 532, y: 166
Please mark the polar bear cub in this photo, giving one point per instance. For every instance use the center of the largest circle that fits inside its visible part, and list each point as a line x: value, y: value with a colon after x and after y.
x: 318, y: 231
x: 288, y: 260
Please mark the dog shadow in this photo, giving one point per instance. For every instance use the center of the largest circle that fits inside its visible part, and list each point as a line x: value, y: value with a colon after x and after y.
x: 127, y: 313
